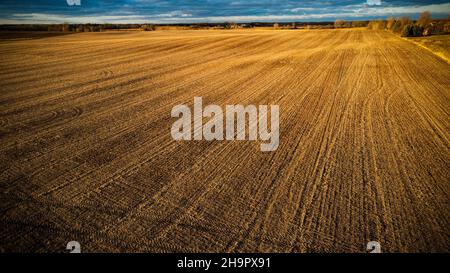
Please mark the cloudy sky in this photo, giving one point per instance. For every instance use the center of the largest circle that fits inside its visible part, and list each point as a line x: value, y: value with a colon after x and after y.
x: 177, y: 11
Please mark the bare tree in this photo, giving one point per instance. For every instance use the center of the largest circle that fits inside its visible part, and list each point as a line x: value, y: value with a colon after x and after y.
x: 425, y: 19
x: 377, y: 25
x: 339, y: 23
x: 405, y: 20
x: 390, y: 23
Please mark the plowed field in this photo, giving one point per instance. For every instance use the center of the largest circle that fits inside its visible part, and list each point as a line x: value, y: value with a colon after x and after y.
x: 87, y: 154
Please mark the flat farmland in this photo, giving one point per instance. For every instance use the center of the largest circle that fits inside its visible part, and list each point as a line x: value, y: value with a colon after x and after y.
x: 87, y: 154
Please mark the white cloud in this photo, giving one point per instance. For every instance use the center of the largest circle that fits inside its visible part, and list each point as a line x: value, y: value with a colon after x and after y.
x: 172, y: 14
x: 44, y: 18
x: 374, y: 2
x: 303, y: 9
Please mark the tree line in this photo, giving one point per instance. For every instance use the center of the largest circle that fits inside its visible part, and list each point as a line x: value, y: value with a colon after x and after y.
x: 406, y: 27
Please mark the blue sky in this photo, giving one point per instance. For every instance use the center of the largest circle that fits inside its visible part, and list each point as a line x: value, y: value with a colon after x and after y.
x: 177, y: 11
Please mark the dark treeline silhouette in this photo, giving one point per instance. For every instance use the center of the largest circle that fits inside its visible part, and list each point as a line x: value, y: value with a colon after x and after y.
x: 66, y: 27
x: 404, y: 26
x: 70, y: 27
